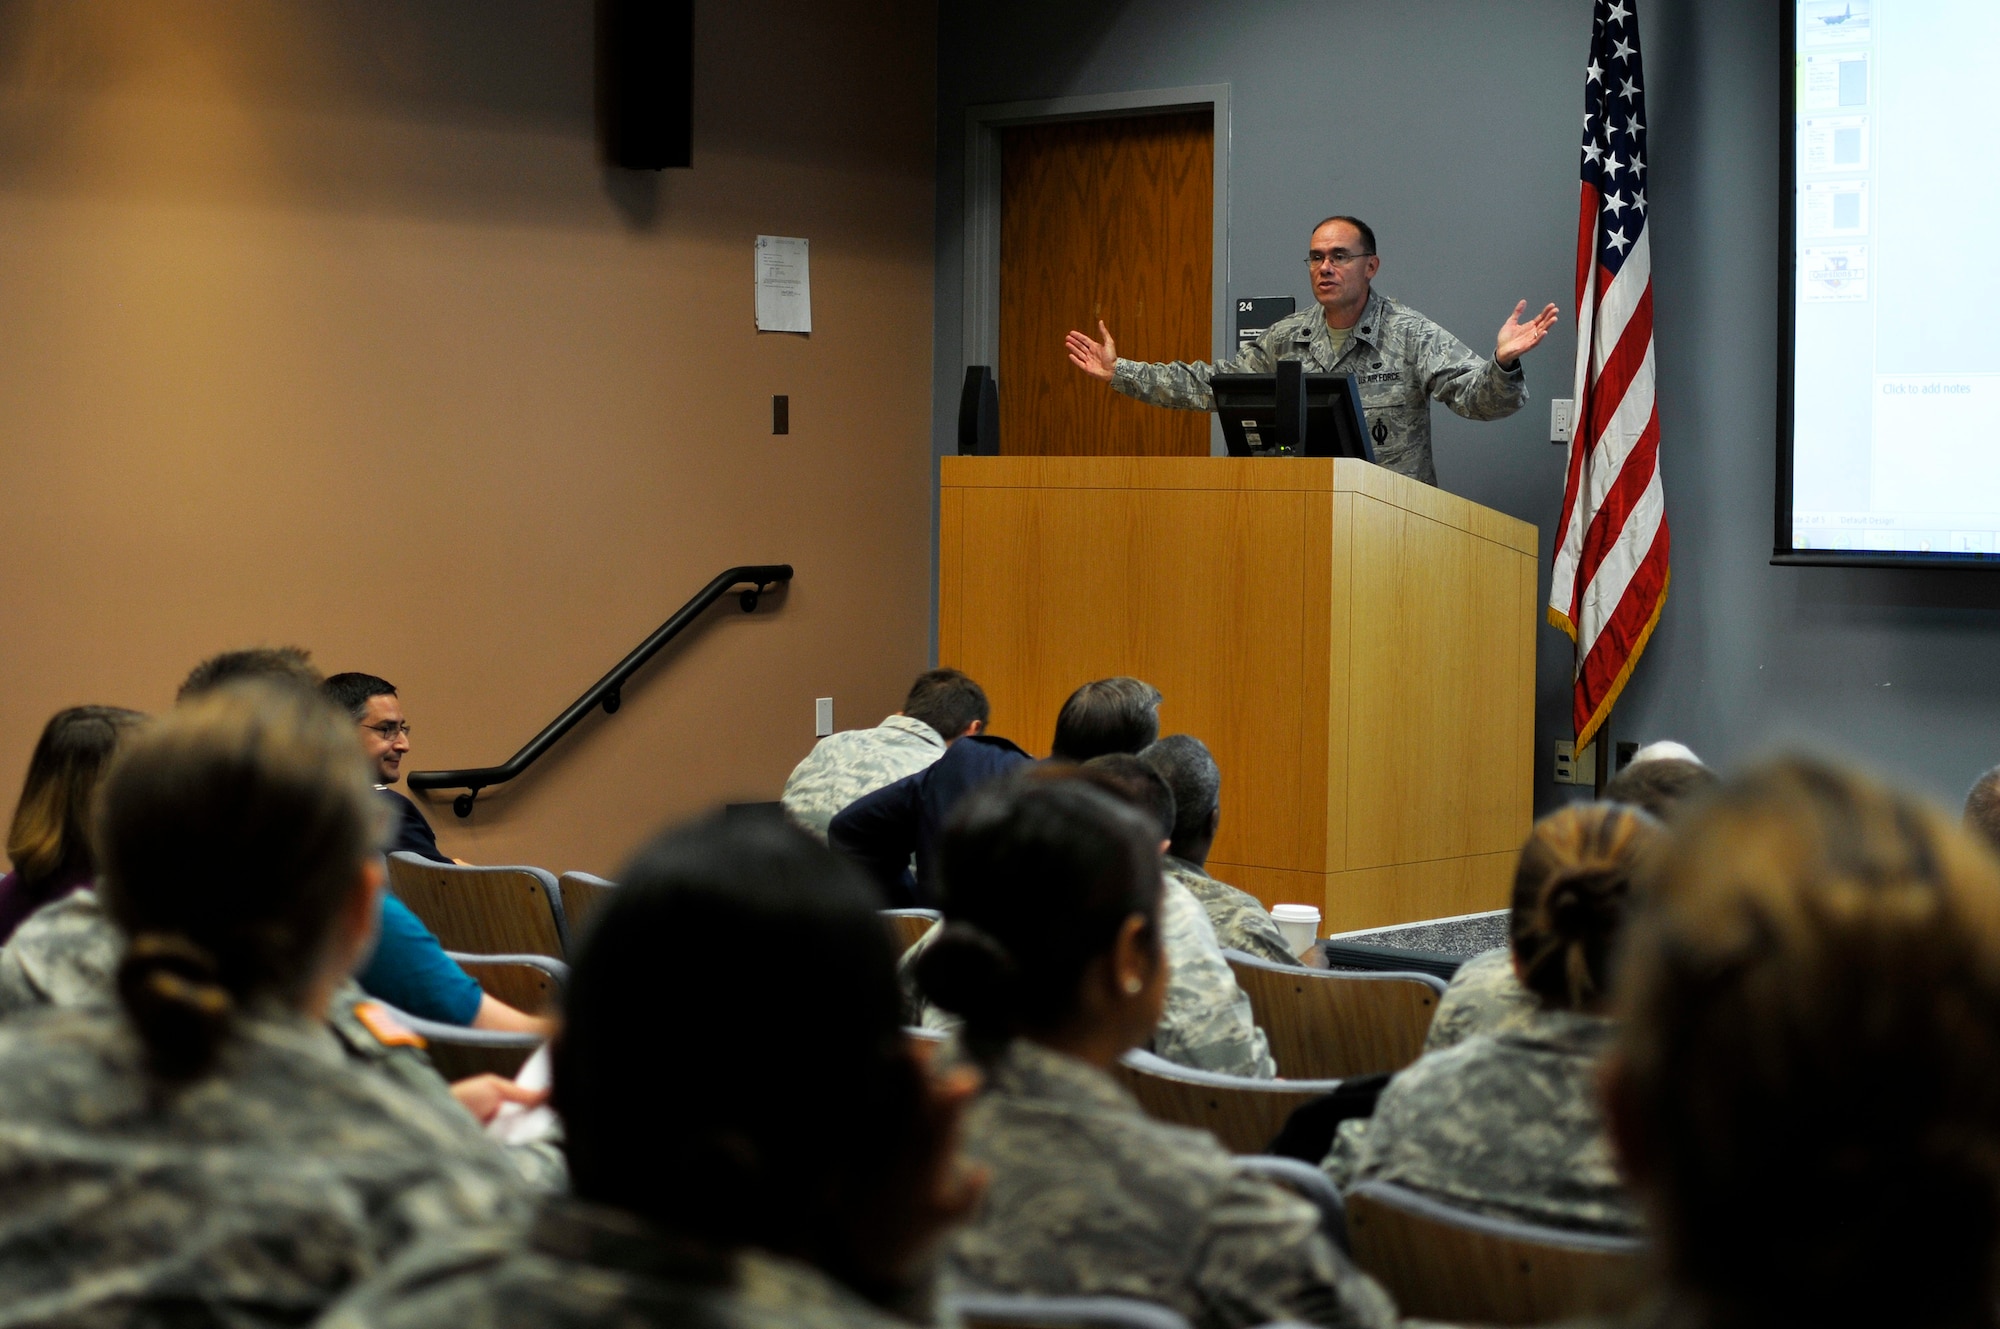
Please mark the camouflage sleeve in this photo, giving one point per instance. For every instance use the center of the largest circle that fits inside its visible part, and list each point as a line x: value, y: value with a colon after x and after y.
x: 1343, y: 1160
x: 1478, y: 389
x: 1263, y: 1257
x: 1249, y: 928
x: 17, y: 992
x: 1207, y: 1022
x: 1183, y: 384
x: 1483, y: 997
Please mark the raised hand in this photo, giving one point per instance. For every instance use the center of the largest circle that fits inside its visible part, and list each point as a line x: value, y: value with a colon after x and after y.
x: 1096, y: 359
x: 1518, y: 338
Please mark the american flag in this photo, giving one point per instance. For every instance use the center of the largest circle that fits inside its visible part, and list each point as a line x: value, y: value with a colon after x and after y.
x: 1610, y: 578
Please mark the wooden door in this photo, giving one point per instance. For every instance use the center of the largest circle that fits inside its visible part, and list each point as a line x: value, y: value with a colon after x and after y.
x: 1112, y: 220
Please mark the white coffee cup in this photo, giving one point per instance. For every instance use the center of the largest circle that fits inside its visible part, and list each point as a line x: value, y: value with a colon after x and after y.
x: 1299, y: 923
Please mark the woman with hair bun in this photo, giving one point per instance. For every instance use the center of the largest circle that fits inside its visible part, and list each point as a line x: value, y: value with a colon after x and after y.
x: 1508, y: 1123
x: 204, y: 1153
x: 1051, y: 955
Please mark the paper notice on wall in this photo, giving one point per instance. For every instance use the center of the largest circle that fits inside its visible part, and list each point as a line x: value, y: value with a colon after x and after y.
x: 784, y: 285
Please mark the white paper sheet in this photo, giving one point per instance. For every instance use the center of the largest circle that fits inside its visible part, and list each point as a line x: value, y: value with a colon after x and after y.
x: 784, y: 285
x: 515, y: 1124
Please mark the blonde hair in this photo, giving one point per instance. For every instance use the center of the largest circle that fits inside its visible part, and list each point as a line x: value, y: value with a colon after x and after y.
x: 1810, y: 1057
x: 1573, y: 887
x: 229, y: 835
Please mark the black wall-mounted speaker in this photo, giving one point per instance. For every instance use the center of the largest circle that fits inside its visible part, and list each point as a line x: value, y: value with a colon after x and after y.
x: 979, y: 414
x: 645, y: 83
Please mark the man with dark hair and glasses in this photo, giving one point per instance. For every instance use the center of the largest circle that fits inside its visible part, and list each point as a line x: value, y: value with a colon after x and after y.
x: 1401, y: 358
x: 385, y: 737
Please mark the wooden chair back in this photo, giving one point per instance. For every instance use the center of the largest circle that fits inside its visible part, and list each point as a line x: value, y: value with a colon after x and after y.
x: 1443, y: 1264
x: 907, y: 927
x: 1328, y: 1024
x: 582, y: 893
x: 484, y: 911
x: 1245, y: 1115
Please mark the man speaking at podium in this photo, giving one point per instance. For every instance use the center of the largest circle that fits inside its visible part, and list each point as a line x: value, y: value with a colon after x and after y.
x: 1401, y: 358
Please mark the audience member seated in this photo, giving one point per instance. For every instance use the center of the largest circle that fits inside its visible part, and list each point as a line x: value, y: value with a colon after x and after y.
x: 1241, y: 921
x: 1661, y: 782
x: 1805, y: 1090
x: 1485, y: 996
x: 385, y: 738
x: 943, y: 707
x: 704, y: 1202
x: 407, y: 967
x: 1110, y: 715
x: 884, y: 830
x: 49, y: 839
x: 1051, y: 954
x: 1208, y: 1023
x: 1982, y: 808
x: 203, y: 1154
x: 1508, y: 1124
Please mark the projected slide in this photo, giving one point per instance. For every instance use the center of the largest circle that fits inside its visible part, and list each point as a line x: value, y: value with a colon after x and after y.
x: 1896, y: 291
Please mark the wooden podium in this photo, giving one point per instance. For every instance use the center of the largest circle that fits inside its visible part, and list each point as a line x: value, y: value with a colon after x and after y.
x: 1356, y: 648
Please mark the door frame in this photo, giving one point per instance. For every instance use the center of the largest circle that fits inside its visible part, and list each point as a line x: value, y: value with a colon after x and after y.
x: 979, y: 343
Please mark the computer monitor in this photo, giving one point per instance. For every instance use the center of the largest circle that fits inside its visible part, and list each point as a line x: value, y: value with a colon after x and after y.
x: 1323, y: 420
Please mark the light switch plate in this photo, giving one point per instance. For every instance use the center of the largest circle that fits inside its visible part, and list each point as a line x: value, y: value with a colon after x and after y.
x: 1572, y: 769
x: 822, y: 716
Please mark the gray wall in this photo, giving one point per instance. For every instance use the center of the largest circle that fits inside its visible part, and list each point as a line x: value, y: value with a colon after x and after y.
x: 1452, y: 126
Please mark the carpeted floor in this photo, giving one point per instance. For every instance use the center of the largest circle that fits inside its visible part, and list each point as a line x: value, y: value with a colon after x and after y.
x: 1465, y: 935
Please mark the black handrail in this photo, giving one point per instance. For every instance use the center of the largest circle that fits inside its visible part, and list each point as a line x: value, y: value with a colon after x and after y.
x: 607, y: 691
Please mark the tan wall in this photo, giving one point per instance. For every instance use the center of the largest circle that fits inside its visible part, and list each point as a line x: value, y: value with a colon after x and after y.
x: 321, y: 323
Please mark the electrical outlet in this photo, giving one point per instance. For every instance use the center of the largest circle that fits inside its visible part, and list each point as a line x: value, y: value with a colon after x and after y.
x: 1562, y: 420
x: 822, y: 716
x: 1573, y: 769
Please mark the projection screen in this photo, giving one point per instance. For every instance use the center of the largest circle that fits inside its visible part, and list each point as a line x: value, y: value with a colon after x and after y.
x: 1888, y: 437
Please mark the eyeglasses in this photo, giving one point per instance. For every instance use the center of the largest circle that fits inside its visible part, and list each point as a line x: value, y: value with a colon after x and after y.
x: 389, y: 730
x: 1338, y: 257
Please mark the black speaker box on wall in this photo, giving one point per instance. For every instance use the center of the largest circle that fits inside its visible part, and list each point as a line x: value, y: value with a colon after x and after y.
x: 645, y: 82
x: 979, y: 414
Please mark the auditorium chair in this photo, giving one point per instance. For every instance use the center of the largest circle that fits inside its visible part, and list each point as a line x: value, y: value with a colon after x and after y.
x: 1006, y: 1311
x: 458, y: 1052
x: 1245, y: 1114
x: 484, y: 910
x: 910, y: 926
x: 531, y: 984
x: 582, y: 893
x: 1327, y: 1024
x: 1442, y: 1263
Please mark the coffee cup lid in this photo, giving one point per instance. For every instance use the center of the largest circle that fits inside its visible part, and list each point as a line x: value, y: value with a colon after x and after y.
x: 1296, y: 913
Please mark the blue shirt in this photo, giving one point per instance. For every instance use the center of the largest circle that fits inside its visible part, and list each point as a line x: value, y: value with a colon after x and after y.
x: 881, y: 830
x: 411, y: 972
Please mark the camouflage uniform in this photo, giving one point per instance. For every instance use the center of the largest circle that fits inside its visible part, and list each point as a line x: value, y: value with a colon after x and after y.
x: 1502, y: 1124
x: 1207, y: 1022
x: 1241, y: 921
x: 1483, y: 997
x: 253, y: 1196
x: 64, y: 954
x: 845, y: 766
x: 1401, y: 358
x: 581, y: 1266
x: 67, y: 954
x: 1091, y: 1197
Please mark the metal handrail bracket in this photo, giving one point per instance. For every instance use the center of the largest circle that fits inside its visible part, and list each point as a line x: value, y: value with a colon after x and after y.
x: 607, y: 691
